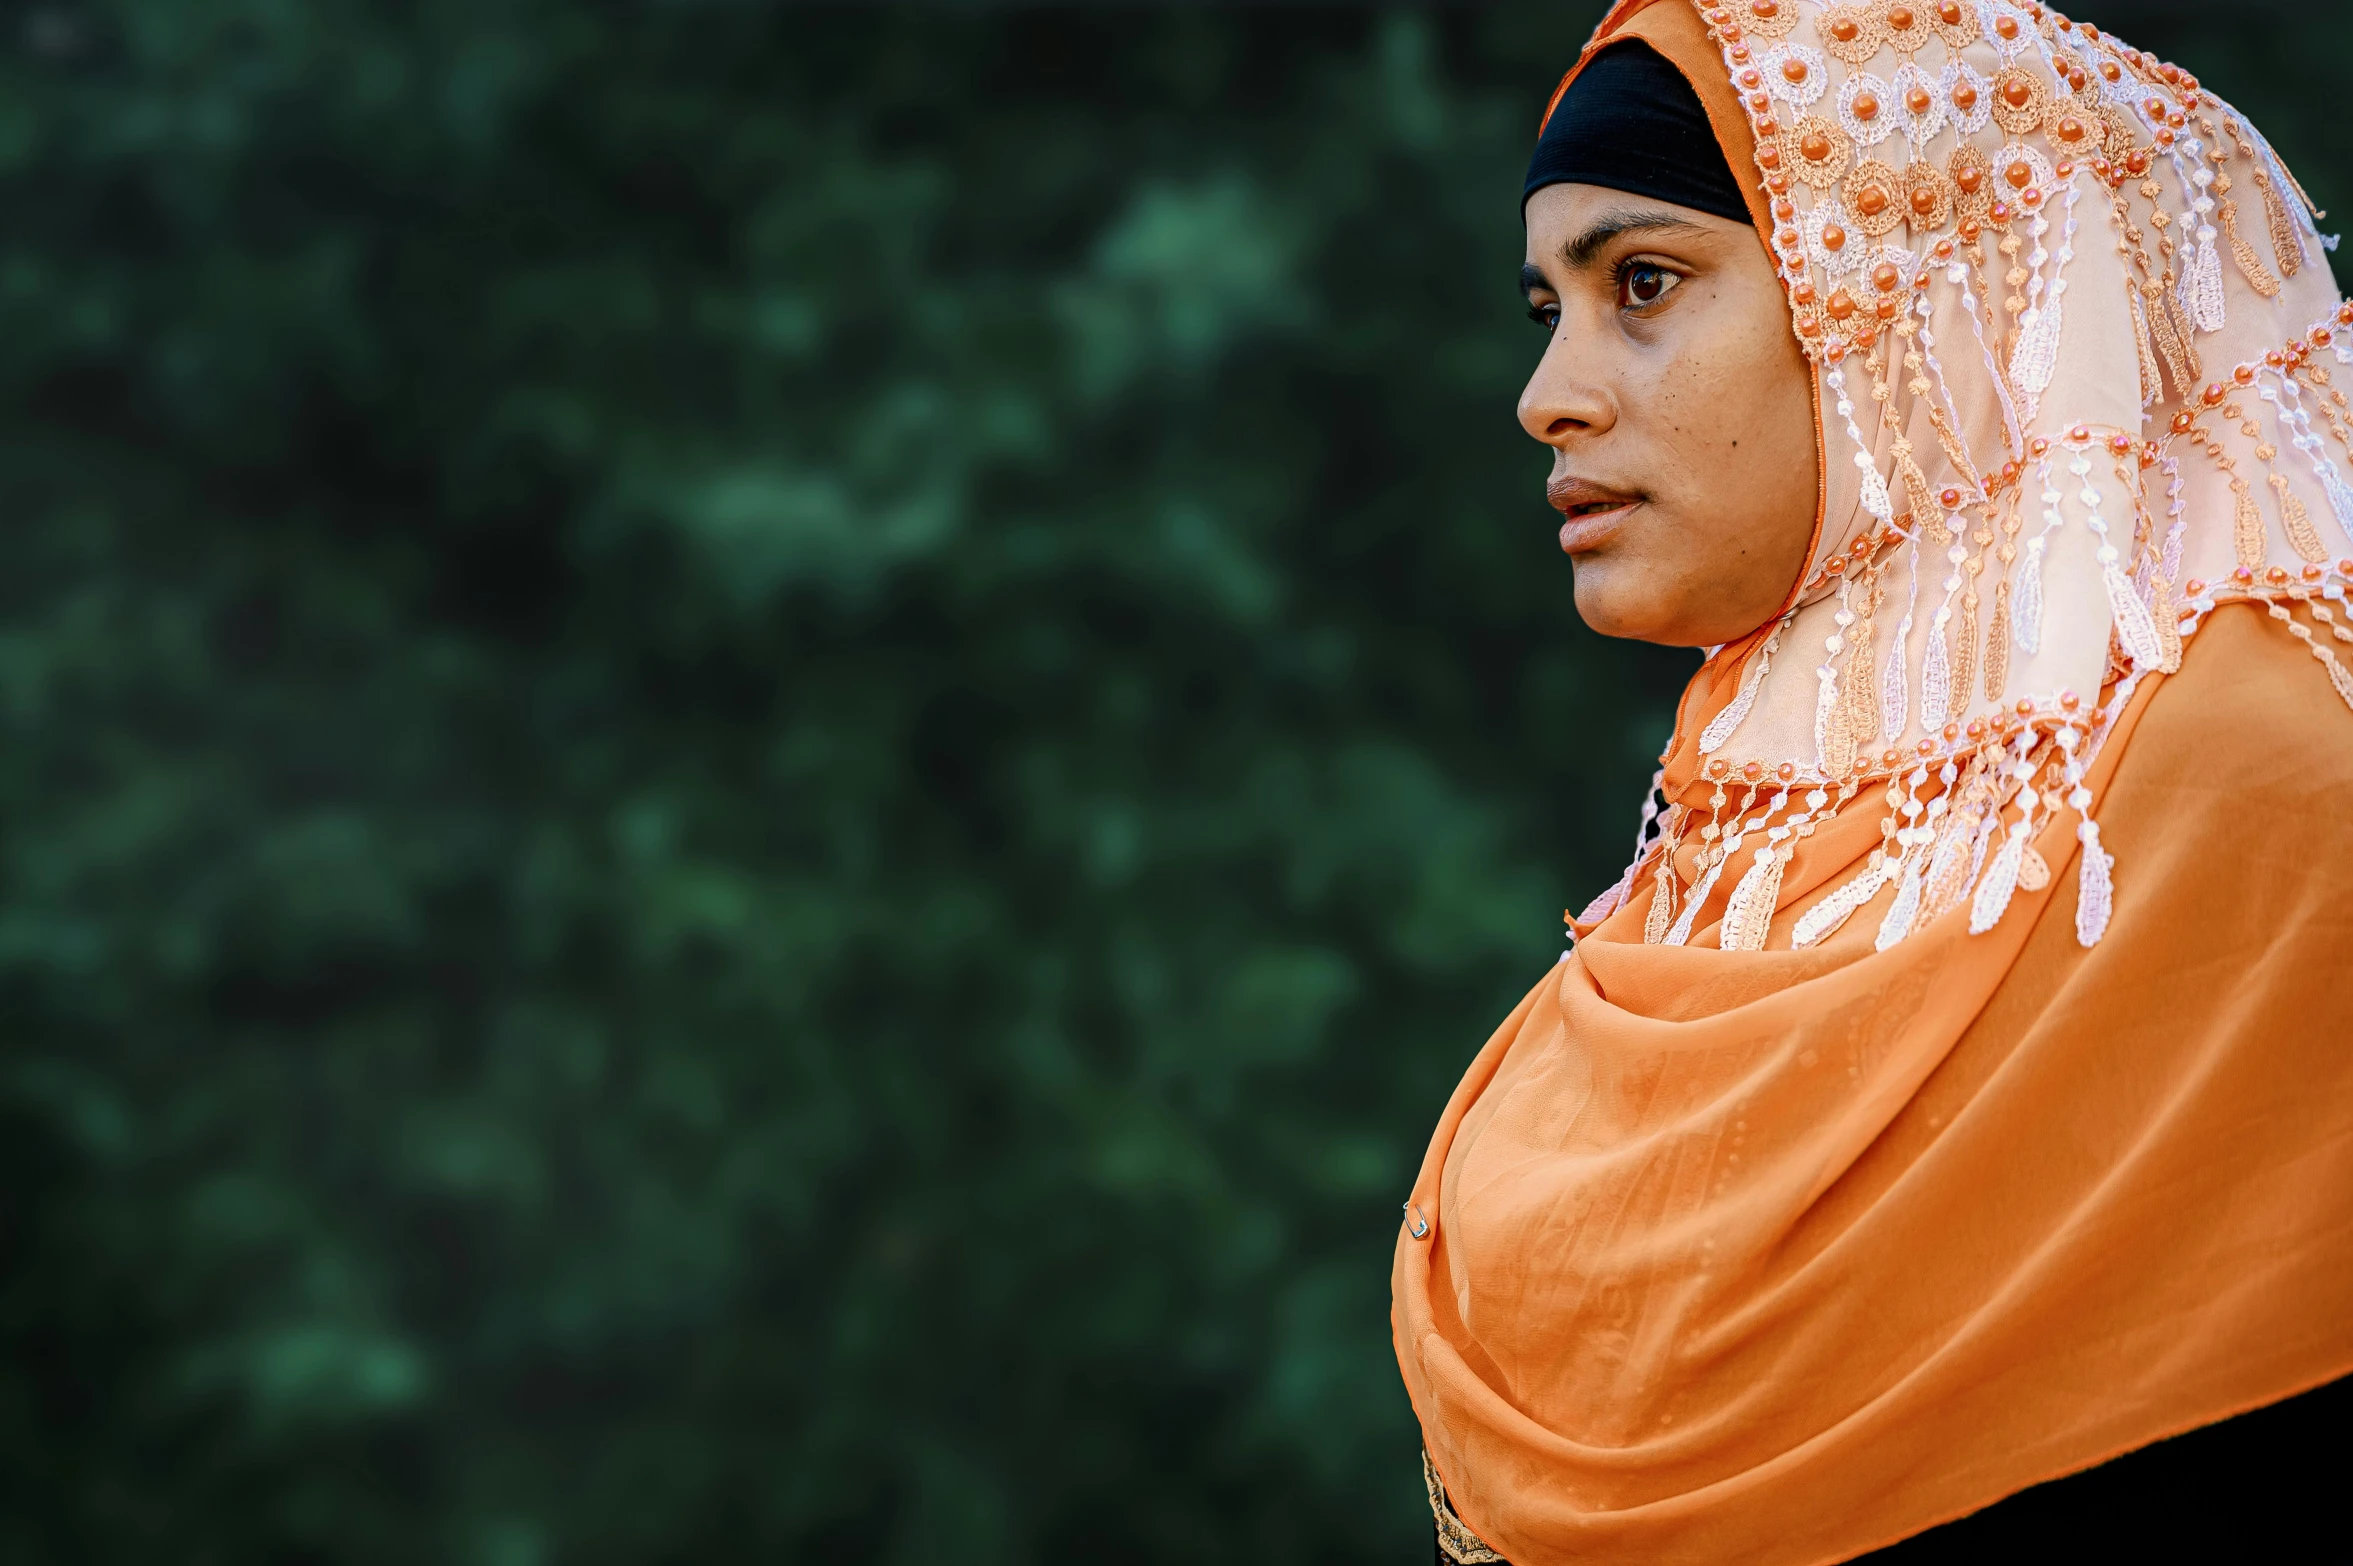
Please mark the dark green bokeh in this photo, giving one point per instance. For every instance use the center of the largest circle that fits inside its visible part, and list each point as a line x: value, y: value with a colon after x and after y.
x: 760, y: 768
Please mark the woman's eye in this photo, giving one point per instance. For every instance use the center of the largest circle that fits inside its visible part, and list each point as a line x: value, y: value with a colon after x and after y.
x: 1546, y: 316
x: 1642, y: 284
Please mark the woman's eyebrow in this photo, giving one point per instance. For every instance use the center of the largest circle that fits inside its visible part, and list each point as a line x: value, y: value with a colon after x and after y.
x: 1579, y: 252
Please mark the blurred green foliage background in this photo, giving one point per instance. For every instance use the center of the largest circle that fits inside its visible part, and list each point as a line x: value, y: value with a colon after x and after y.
x: 759, y: 768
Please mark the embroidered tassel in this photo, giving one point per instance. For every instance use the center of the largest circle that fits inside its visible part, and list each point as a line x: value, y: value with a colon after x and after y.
x: 1662, y: 906
x: 1875, y: 498
x: 1925, y: 511
x: 1830, y: 752
x: 1980, y: 842
x: 2308, y: 213
x: 2028, y: 628
x: 2168, y: 620
x: 1947, y: 876
x: 2286, y: 243
x: 2152, y: 383
x: 1838, y: 751
x: 2169, y: 347
x: 2296, y: 522
x: 1765, y: 903
x: 2134, y: 628
x: 1964, y: 671
x: 2258, y: 275
x: 1825, y: 713
x: 1823, y: 920
x: 1936, y: 690
x: 2001, y: 879
x: 2340, y: 494
x: 1862, y: 703
x: 2094, y: 896
x: 2178, y: 324
x: 1895, y: 696
x: 1749, y: 913
x: 1955, y: 453
x: 2205, y: 284
x: 1997, y: 645
x: 2247, y: 528
x: 1721, y: 727
x: 2036, y: 357
x: 1901, y: 913
x: 1692, y: 904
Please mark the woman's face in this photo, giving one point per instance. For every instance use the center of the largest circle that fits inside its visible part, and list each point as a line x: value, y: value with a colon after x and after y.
x: 1679, y: 412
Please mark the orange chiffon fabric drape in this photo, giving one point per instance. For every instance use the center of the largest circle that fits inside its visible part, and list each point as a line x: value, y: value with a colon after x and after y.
x: 1776, y: 1257
x: 1770, y: 1258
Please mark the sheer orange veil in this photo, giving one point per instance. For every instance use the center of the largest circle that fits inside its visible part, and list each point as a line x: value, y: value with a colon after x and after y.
x: 1953, y: 1092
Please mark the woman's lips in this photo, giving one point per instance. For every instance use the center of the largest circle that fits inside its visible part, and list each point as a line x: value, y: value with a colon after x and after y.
x: 1589, y: 530
x: 1591, y: 514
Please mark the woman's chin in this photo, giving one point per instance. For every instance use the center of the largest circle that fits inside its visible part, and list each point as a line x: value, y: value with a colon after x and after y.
x: 1612, y: 605
x: 1628, y: 605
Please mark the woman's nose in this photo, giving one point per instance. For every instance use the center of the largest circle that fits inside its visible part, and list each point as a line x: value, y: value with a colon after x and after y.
x: 1565, y: 397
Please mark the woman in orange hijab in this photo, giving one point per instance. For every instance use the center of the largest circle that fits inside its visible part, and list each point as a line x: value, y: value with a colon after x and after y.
x: 1954, y: 1094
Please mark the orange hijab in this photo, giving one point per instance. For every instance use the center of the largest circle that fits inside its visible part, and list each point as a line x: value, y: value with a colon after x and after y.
x: 1954, y: 1093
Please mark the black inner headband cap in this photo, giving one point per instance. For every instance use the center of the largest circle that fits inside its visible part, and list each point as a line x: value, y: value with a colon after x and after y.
x: 1631, y: 122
